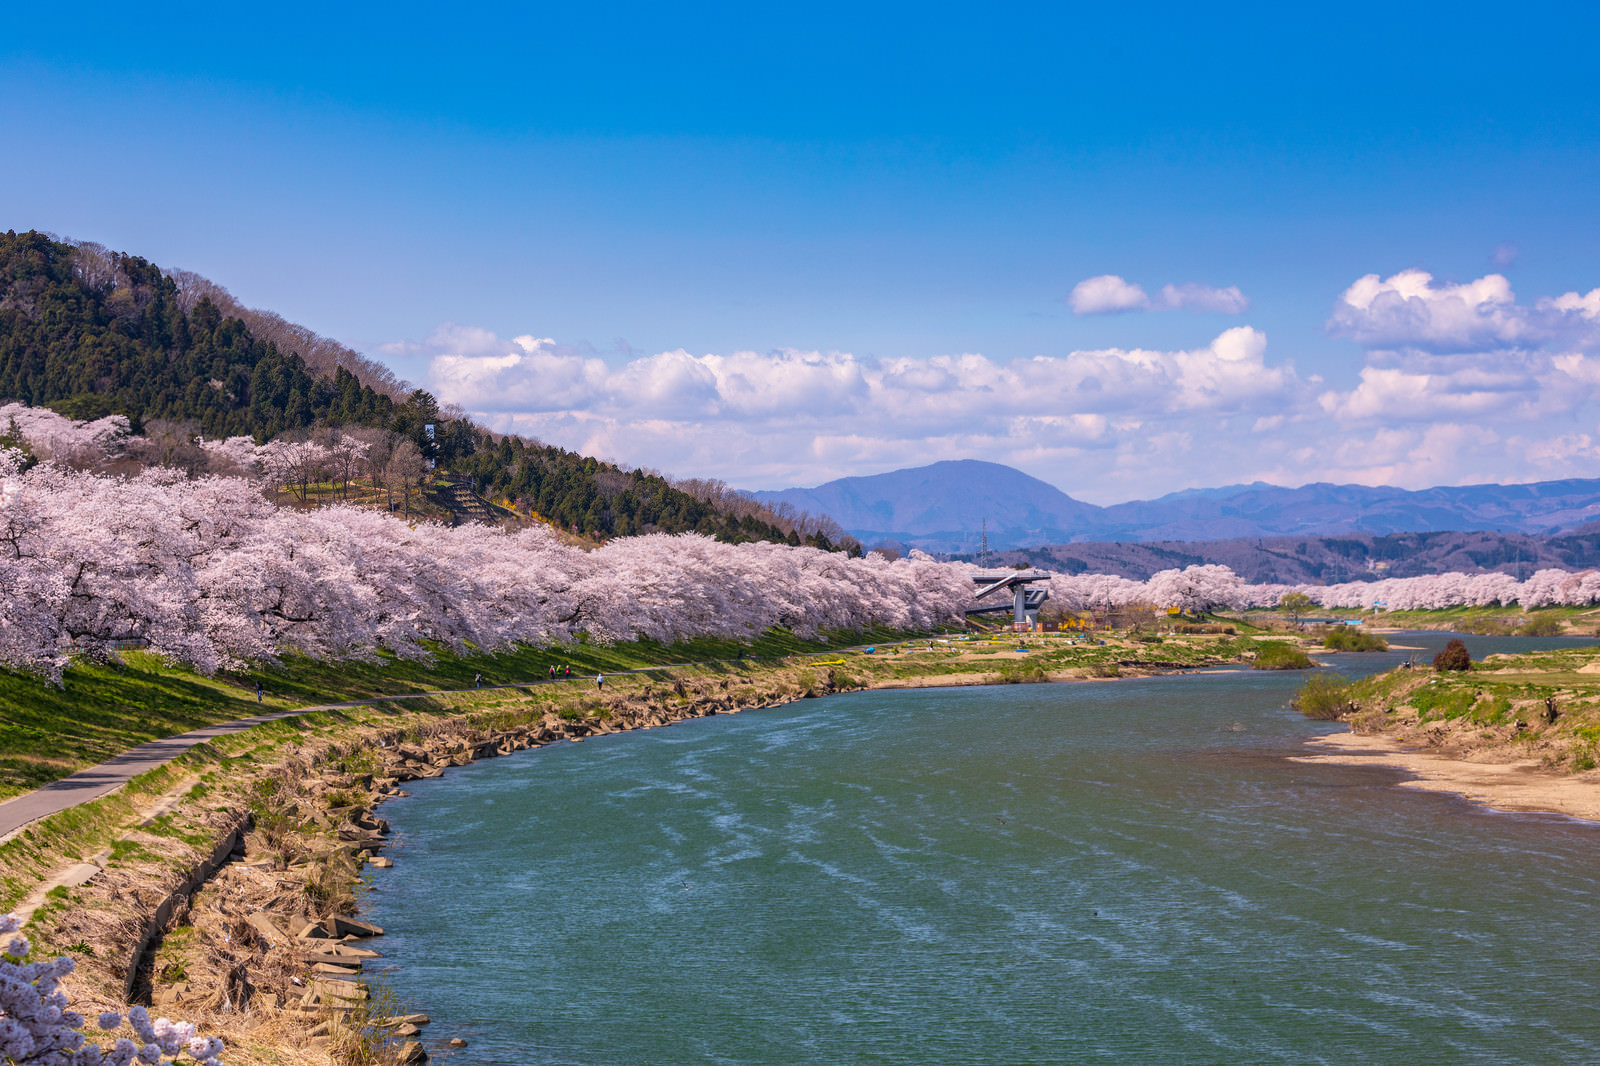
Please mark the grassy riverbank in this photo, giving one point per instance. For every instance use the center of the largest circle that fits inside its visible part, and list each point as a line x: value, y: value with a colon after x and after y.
x: 291, y: 790
x: 1515, y: 732
x: 1486, y: 621
x: 1542, y: 707
x: 100, y: 710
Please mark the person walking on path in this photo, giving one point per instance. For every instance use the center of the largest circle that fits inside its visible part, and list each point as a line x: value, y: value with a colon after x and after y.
x: 552, y: 671
x: 258, y: 692
x: 599, y: 680
x: 568, y: 669
x: 477, y: 680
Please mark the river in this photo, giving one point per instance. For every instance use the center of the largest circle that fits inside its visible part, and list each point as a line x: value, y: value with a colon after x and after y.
x: 1124, y: 871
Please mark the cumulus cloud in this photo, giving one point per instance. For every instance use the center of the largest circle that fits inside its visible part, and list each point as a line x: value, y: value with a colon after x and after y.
x: 1460, y: 382
x: 1190, y: 296
x: 789, y: 384
x: 1409, y: 310
x: 805, y: 416
x: 1107, y: 294
x: 1110, y: 294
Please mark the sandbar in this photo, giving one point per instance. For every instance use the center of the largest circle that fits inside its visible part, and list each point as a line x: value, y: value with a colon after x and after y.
x: 1520, y: 787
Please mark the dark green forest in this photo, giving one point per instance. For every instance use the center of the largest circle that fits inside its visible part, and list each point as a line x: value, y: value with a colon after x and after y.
x: 91, y: 334
x: 126, y: 346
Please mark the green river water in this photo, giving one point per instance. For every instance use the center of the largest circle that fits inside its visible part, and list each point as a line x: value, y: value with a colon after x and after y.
x: 1126, y: 871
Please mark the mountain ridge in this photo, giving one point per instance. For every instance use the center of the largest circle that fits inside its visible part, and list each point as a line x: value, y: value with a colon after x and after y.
x: 1017, y: 510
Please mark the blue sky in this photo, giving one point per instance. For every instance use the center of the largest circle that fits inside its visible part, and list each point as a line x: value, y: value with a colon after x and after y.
x: 781, y: 246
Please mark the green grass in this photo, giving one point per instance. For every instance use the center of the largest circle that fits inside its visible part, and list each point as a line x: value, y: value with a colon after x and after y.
x: 1443, y: 701
x: 1276, y: 655
x: 98, y: 711
x: 1351, y: 638
x: 1495, y: 620
x: 1488, y: 619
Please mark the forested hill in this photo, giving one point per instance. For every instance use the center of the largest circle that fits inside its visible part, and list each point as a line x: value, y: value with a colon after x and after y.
x: 123, y: 343
x: 92, y: 333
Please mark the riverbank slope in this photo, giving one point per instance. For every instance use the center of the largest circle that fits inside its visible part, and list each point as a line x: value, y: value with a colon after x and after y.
x: 1515, y: 733
x: 215, y: 887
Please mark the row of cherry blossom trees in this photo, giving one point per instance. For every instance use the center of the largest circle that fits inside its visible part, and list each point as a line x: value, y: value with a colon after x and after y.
x: 205, y: 570
x: 208, y: 572
x: 1207, y: 588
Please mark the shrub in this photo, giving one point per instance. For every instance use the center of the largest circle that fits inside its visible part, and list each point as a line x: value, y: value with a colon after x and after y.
x: 1454, y: 657
x: 1279, y: 656
x: 1324, y: 698
x: 1352, y: 638
x: 1022, y: 673
x: 1544, y: 625
x: 1371, y: 720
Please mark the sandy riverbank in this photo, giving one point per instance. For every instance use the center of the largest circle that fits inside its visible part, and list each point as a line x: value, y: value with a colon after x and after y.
x: 1520, y: 787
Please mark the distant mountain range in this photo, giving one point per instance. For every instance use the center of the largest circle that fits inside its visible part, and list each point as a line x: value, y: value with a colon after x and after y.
x: 944, y: 507
x: 1317, y: 560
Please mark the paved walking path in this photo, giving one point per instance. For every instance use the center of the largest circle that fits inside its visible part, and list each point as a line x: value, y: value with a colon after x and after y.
x: 97, y: 781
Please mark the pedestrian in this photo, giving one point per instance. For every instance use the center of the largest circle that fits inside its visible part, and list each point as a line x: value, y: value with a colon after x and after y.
x: 477, y: 680
x: 552, y: 671
x: 599, y: 680
x: 258, y: 692
x: 567, y: 670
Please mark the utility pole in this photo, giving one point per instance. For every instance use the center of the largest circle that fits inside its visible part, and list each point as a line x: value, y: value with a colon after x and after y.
x: 983, y: 545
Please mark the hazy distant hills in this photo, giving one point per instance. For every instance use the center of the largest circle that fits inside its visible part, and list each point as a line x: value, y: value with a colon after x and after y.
x: 1312, y: 559
x: 943, y: 507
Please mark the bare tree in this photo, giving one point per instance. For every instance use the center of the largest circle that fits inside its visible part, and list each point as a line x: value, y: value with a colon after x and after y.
x: 294, y: 464
x: 405, y: 469
x: 173, y: 444
x: 345, y: 455
x: 374, y: 464
x: 94, y: 264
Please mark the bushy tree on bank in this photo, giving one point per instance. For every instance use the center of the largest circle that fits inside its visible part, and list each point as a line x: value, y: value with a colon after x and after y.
x: 1454, y: 657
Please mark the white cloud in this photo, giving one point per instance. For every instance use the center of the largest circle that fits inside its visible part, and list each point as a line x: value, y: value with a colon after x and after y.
x: 1107, y: 294
x: 1460, y: 383
x: 1408, y: 310
x: 1571, y: 304
x: 1110, y: 294
x: 1229, y: 301
x: 774, y: 417
x: 792, y: 385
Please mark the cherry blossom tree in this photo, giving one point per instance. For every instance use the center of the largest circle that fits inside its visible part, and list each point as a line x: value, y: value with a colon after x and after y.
x: 235, y: 456
x: 52, y: 436
x: 37, y: 1028
x: 294, y: 464
x: 346, y: 454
